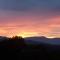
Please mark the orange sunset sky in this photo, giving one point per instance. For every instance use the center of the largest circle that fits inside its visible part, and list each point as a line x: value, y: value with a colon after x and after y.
x: 42, y: 18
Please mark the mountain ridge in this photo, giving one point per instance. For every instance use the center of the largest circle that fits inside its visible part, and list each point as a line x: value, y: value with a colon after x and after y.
x: 43, y: 40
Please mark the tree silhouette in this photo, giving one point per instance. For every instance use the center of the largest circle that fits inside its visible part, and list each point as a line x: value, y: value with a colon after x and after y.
x: 18, y: 39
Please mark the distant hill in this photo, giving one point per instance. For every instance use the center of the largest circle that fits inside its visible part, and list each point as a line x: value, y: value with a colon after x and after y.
x: 48, y: 43
x: 3, y: 38
x: 38, y: 40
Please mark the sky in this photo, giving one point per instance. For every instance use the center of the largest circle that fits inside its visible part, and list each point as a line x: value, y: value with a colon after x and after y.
x: 30, y: 18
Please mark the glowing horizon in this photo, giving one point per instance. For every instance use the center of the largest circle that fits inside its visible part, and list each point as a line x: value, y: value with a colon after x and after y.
x: 30, y: 26
x: 30, y: 18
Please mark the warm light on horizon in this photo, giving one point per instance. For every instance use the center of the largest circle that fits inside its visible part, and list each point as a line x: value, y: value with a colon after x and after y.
x: 30, y: 25
x: 30, y: 18
x: 27, y: 34
x: 33, y: 34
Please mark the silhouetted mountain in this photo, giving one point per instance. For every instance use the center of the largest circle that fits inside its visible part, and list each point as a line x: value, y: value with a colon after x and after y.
x: 35, y: 40
x: 37, y: 48
x: 39, y: 40
x: 3, y: 38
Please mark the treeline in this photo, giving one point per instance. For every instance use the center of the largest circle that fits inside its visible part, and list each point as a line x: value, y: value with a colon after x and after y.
x: 11, y: 48
x: 12, y: 42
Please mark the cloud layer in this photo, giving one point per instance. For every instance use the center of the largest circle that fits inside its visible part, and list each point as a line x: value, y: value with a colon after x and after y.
x: 23, y: 17
x: 23, y: 5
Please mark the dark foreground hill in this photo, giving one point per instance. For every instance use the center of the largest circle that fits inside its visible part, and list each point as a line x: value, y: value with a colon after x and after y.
x: 29, y: 48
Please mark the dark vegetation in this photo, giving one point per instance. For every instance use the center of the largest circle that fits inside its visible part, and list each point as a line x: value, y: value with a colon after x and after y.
x: 16, y: 48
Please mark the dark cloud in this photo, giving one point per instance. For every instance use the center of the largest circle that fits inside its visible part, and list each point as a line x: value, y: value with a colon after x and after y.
x: 23, y: 5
